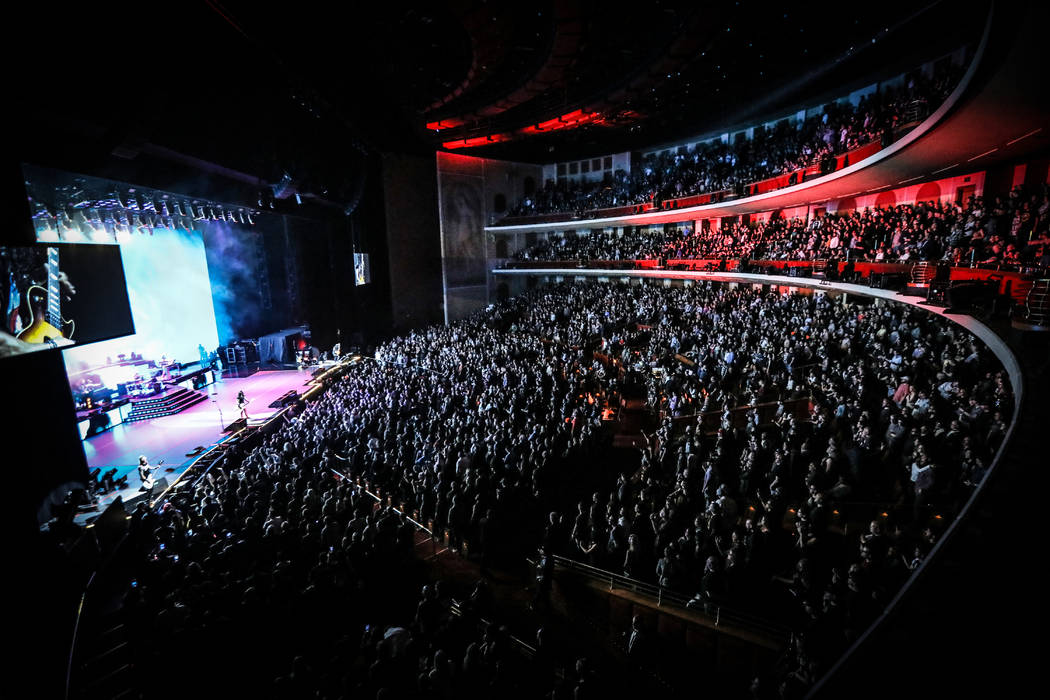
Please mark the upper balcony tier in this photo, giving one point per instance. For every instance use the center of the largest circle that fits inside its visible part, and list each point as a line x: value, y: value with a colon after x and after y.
x: 968, y: 131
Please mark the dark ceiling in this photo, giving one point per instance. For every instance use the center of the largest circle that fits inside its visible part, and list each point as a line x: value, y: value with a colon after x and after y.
x: 655, y: 71
x: 310, y: 88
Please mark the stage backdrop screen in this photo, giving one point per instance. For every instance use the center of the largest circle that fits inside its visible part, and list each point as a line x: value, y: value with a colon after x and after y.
x: 170, y: 296
x: 63, y: 295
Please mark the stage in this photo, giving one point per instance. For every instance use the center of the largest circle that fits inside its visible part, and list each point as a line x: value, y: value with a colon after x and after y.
x: 171, y: 438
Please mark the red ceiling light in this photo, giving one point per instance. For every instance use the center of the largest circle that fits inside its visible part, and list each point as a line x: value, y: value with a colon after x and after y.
x: 477, y: 141
x: 444, y: 124
x: 570, y: 120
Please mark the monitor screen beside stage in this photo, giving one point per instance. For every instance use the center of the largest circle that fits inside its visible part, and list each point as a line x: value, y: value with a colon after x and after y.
x: 62, y: 296
x: 362, y: 269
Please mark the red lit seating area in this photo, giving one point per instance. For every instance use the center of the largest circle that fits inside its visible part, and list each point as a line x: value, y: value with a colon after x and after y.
x: 770, y: 159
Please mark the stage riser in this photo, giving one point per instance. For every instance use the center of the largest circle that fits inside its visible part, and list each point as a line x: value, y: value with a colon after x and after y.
x: 160, y: 400
x: 173, y: 404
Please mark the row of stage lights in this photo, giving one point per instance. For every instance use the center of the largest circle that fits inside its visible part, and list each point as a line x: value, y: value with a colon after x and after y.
x: 121, y: 215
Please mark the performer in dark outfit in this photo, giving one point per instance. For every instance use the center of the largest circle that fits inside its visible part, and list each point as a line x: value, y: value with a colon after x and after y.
x: 242, y: 404
x: 146, y: 473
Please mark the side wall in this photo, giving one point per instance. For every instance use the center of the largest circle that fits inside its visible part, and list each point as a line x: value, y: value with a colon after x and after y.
x: 410, y: 199
x: 469, y: 190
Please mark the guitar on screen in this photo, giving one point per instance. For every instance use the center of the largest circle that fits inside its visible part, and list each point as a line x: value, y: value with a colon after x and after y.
x: 45, y: 311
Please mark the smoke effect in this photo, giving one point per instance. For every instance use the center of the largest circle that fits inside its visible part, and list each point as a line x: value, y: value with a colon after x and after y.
x: 236, y: 263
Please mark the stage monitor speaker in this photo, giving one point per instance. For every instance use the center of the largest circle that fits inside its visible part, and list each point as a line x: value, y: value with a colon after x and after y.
x: 236, y: 425
x: 286, y: 399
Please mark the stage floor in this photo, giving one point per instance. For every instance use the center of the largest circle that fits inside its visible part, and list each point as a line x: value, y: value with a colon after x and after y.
x: 170, y: 438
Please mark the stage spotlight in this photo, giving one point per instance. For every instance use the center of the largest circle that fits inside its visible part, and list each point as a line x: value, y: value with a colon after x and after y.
x: 250, y: 222
x: 200, y: 212
x: 121, y: 228
x: 80, y: 221
x: 240, y: 213
x: 178, y: 209
x: 65, y: 222
x: 298, y: 199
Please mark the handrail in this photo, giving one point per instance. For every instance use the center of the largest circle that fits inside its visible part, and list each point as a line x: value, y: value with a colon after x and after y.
x: 527, y: 649
x: 379, y: 499
x: 76, y: 631
x: 731, y: 262
x: 735, y: 412
x: 723, y: 614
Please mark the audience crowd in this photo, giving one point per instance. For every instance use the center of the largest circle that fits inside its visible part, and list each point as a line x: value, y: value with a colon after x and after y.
x: 716, y: 166
x: 494, y: 428
x: 1009, y: 231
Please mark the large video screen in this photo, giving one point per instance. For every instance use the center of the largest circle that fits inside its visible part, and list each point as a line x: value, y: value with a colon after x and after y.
x: 171, y: 302
x: 62, y: 296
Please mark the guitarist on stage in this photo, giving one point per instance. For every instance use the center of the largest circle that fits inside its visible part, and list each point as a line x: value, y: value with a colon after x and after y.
x: 146, y: 474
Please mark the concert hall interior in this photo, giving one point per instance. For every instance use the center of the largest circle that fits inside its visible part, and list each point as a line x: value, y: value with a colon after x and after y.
x: 562, y: 349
